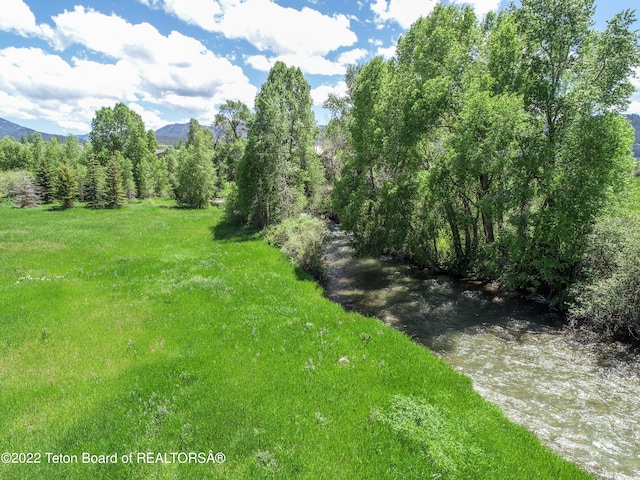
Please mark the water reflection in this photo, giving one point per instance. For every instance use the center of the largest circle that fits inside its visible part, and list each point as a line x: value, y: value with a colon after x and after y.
x: 579, y: 397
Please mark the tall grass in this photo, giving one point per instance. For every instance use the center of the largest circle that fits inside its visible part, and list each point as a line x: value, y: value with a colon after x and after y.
x: 158, y: 330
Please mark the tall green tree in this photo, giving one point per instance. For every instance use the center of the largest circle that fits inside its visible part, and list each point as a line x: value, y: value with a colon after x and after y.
x: 120, y: 129
x: 475, y: 150
x: 66, y: 186
x: 114, y: 192
x: 94, y: 184
x: 46, y: 176
x: 196, y: 176
x: 230, y: 127
x: 280, y: 174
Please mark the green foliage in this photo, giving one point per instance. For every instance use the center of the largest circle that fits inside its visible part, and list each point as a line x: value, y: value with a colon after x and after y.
x: 278, y: 174
x: 120, y: 129
x: 66, y: 186
x: 15, y: 155
x: 196, y: 176
x: 94, y: 184
x: 301, y: 239
x: 114, y: 192
x: 491, y: 148
x: 46, y: 179
x: 216, y: 344
x: 20, y: 187
x: 608, y: 297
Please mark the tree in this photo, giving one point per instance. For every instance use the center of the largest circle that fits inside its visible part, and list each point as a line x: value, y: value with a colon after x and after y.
x: 66, y: 186
x: 491, y: 148
x: 196, y: 175
x: 94, y: 184
x: 14, y: 155
x: 280, y: 174
x: 114, y: 192
x: 25, y: 192
x: 122, y: 130
x: 230, y: 127
x: 46, y: 179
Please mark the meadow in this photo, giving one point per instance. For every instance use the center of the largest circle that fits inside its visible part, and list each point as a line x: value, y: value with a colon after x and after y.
x: 142, y: 342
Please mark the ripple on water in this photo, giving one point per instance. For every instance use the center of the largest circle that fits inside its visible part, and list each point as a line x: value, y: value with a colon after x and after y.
x: 577, y: 396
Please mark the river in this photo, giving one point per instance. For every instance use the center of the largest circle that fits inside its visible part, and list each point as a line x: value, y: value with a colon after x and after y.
x: 578, y: 396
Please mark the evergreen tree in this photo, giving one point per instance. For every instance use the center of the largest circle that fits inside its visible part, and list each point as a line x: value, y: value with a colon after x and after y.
x: 46, y: 179
x: 66, y: 185
x: 114, y: 193
x: 25, y: 192
x: 94, y: 187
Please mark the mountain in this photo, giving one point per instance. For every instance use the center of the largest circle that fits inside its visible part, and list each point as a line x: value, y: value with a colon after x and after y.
x: 172, y: 134
x: 635, y: 121
x: 13, y: 130
x: 175, y: 132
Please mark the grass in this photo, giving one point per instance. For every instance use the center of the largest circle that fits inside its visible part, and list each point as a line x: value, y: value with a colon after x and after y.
x: 160, y: 330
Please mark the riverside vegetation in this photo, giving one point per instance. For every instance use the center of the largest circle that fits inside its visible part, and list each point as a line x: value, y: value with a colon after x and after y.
x: 156, y: 329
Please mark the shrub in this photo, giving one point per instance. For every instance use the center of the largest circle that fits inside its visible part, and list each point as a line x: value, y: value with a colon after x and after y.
x: 24, y: 191
x: 609, y: 297
x: 301, y: 238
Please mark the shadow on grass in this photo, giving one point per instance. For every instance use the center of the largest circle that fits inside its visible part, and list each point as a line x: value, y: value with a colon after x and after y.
x: 228, y: 231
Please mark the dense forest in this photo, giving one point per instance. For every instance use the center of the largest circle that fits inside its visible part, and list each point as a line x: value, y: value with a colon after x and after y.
x: 490, y: 148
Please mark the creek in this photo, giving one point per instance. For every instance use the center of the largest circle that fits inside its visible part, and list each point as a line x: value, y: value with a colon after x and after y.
x: 579, y: 396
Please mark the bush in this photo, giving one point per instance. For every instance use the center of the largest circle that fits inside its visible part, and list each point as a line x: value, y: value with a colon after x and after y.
x: 301, y: 238
x: 609, y: 297
x: 25, y: 192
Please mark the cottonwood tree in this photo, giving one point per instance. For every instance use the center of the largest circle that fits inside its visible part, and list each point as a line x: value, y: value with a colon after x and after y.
x: 491, y: 147
x: 196, y: 176
x: 120, y: 129
x: 230, y: 127
x: 280, y: 174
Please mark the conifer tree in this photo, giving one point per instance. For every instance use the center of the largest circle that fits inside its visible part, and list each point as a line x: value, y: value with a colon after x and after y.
x: 66, y: 186
x: 114, y: 195
x: 94, y: 184
x: 45, y: 179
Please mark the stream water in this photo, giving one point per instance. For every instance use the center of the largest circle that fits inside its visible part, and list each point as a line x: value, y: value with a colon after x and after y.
x: 580, y: 397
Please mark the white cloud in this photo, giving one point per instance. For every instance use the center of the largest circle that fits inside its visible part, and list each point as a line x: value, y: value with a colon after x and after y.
x: 321, y: 93
x: 404, y: 12
x: 313, y: 65
x: 634, y: 106
x: 265, y: 24
x: 352, y: 56
x: 174, y: 69
x: 137, y: 64
x: 386, y: 53
x: 38, y: 84
x: 19, y: 18
x: 482, y: 7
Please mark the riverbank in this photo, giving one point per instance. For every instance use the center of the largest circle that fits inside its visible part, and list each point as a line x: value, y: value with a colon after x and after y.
x: 155, y: 329
x: 577, y: 394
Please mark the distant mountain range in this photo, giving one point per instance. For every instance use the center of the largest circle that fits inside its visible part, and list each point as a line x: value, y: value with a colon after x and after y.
x: 167, y: 135
x: 172, y: 134
x: 13, y: 130
x: 175, y: 132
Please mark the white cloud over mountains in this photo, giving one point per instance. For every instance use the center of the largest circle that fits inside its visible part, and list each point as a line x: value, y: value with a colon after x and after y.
x: 137, y: 64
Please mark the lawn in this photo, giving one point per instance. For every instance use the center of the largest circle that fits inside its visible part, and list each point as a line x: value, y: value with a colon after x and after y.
x: 140, y: 343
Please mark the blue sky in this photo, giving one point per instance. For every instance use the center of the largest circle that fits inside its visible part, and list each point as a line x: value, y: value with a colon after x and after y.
x: 172, y: 60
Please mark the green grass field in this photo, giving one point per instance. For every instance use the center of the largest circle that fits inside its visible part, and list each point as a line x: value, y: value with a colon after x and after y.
x: 153, y: 330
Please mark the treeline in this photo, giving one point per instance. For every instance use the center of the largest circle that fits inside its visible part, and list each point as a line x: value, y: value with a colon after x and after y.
x: 123, y: 161
x: 493, y: 148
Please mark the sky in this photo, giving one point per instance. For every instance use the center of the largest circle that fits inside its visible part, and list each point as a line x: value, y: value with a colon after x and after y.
x: 173, y: 60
